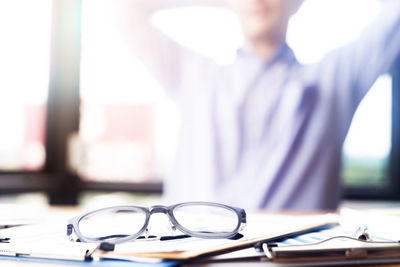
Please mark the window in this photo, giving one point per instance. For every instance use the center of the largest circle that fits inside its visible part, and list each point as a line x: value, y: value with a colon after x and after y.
x: 24, y: 66
x: 37, y: 50
x: 118, y: 101
x: 366, y: 152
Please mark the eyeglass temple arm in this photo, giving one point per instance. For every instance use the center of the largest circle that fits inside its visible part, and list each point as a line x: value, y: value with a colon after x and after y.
x: 243, y: 216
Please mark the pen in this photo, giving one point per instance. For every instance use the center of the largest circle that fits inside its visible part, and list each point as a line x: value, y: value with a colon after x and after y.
x: 4, y: 240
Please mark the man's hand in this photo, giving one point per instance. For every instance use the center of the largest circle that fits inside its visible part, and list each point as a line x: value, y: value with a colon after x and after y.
x: 161, y: 55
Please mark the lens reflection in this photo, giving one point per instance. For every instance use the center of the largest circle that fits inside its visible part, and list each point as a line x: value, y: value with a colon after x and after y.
x: 206, y: 220
x: 112, y: 223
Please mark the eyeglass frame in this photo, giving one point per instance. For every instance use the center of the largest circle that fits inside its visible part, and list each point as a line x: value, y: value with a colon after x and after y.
x: 73, y: 223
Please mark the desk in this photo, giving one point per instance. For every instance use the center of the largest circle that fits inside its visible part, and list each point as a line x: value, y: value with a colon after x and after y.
x: 69, y: 210
x: 6, y: 263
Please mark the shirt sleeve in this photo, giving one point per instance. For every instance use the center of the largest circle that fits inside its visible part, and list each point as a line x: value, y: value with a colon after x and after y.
x: 354, y: 68
x: 168, y: 61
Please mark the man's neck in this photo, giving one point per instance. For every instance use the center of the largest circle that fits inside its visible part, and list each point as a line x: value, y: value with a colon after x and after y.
x: 267, y: 48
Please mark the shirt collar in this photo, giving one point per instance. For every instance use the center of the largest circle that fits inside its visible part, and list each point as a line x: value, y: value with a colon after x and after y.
x: 284, y: 53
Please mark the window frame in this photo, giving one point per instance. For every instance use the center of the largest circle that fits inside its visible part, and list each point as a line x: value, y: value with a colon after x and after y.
x: 54, y: 179
x: 62, y: 119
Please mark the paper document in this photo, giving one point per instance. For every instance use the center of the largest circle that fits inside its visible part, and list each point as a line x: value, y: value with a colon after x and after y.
x: 49, y: 240
x: 381, y: 219
x: 45, y: 240
x: 259, y: 227
x: 15, y: 215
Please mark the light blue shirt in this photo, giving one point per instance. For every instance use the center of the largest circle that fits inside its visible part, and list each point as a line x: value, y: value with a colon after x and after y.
x: 259, y: 134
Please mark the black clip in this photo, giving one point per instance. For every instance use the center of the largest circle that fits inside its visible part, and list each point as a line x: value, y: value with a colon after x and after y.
x: 105, y: 246
x: 5, y: 240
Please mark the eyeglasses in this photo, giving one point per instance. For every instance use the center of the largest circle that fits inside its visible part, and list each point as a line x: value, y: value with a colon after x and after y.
x: 125, y: 223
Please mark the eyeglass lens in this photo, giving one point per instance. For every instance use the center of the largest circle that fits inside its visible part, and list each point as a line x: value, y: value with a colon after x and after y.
x: 206, y: 219
x: 112, y: 223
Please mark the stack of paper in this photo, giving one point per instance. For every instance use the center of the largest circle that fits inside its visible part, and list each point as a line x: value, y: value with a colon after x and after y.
x: 48, y: 240
x: 260, y: 227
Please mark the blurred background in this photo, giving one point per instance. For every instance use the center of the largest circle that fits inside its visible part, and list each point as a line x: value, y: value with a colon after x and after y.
x: 80, y: 115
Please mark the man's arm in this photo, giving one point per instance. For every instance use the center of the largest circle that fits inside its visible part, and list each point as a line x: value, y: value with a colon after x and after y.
x: 346, y: 74
x: 162, y: 56
x: 356, y: 67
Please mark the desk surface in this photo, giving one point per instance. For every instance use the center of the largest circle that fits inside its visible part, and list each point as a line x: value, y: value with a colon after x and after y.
x: 35, y: 263
x: 7, y: 263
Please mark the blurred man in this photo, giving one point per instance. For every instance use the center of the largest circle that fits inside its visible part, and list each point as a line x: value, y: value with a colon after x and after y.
x: 266, y: 131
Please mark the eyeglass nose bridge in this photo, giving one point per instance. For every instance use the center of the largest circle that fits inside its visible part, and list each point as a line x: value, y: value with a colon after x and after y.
x: 158, y: 209
x: 165, y: 210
